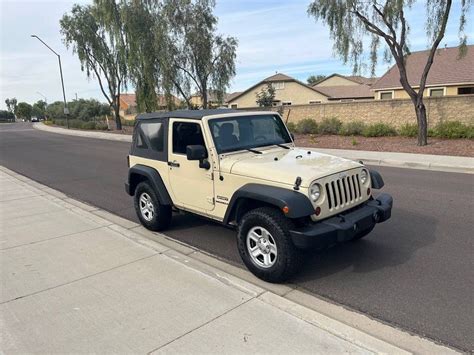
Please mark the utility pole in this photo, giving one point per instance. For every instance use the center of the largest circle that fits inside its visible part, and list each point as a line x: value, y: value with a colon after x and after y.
x: 66, y: 110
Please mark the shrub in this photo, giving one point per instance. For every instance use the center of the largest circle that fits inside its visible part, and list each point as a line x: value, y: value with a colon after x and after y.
x: 129, y: 123
x: 453, y: 129
x: 48, y: 122
x: 88, y: 125
x: 291, y: 126
x: 307, y: 126
x: 353, y: 128
x: 101, y: 126
x: 330, y: 126
x: 379, y: 130
x: 408, y: 130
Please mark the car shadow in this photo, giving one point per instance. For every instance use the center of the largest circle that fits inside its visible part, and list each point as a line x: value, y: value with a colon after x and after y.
x: 390, y: 244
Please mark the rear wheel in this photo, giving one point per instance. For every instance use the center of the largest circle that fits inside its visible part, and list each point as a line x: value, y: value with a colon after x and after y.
x: 265, y: 245
x: 150, y: 212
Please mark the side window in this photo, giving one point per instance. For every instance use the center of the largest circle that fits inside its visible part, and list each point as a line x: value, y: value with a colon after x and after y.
x: 184, y: 134
x: 139, y: 139
x: 154, y: 133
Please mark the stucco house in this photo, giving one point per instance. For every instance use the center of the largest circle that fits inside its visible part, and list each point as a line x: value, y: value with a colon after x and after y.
x: 288, y: 91
x: 450, y: 75
x: 212, y: 99
x: 346, y: 88
x: 128, y: 104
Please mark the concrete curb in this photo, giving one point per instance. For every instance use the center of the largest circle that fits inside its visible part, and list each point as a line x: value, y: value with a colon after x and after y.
x: 351, y: 326
x: 398, y: 160
x: 85, y: 134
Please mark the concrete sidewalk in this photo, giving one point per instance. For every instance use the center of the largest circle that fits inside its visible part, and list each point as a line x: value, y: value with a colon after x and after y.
x: 78, y: 279
x: 399, y: 160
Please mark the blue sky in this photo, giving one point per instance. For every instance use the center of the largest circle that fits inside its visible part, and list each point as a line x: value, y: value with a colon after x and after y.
x: 274, y: 35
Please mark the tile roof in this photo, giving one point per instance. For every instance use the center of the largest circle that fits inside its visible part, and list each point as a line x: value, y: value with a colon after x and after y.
x: 362, y: 79
x: 447, y: 68
x: 273, y: 78
x: 347, y: 92
x: 129, y: 99
x: 278, y: 77
x: 354, y: 78
x: 232, y: 95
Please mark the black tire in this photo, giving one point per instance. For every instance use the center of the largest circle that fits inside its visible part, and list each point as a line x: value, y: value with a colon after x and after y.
x: 361, y: 234
x: 161, y: 217
x: 288, y: 258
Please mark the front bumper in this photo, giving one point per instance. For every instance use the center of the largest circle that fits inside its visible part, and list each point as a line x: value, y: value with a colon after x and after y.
x: 344, y: 226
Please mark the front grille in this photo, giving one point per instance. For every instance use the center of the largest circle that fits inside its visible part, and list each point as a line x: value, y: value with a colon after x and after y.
x: 343, y: 191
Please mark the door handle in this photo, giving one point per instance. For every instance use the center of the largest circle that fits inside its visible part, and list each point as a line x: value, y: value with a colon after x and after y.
x: 173, y: 164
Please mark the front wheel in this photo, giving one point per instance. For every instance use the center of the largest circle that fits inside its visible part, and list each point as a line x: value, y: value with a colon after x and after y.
x: 265, y: 245
x: 151, y: 213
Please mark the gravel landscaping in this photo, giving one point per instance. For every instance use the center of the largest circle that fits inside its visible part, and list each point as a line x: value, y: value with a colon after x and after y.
x: 437, y: 146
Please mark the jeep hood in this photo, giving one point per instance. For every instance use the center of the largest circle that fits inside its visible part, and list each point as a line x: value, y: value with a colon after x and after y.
x: 285, y: 165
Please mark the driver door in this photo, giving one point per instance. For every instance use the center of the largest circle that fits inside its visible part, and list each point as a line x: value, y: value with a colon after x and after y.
x: 192, y: 187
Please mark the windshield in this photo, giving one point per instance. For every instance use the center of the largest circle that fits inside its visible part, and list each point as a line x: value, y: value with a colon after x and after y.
x: 246, y: 132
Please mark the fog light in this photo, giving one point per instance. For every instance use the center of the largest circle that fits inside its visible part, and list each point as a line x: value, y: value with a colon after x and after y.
x: 317, y: 211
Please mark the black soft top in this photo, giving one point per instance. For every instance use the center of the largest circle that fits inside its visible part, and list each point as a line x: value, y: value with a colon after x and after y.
x: 191, y: 114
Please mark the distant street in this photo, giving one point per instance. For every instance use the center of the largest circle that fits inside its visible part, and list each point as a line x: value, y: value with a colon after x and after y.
x: 415, y: 271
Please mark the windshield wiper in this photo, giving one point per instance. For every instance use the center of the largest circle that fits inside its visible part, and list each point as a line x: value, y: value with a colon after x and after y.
x: 282, y: 146
x: 254, y: 151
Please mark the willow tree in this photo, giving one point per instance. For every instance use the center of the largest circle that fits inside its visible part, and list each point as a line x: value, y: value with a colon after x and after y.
x: 89, y: 30
x: 139, y: 18
x: 352, y: 22
x: 197, y: 55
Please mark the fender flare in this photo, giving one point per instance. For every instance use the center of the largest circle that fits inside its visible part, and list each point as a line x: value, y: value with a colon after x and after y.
x: 299, y: 205
x: 376, y: 179
x: 136, y: 174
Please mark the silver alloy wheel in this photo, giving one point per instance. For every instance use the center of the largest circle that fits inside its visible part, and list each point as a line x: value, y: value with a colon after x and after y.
x: 261, y: 247
x: 146, y: 207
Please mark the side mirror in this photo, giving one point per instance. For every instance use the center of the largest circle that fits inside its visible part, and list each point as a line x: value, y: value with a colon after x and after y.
x: 196, y: 152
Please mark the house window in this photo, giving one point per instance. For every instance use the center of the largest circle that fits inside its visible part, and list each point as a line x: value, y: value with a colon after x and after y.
x: 286, y: 103
x: 436, y: 92
x: 386, y: 95
x: 278, y: 85
x: 466, y: 90
x: 313, y: 102
x: 234, y: 106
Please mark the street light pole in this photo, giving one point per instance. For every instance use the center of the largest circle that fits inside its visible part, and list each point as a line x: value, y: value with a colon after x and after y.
x: 66, y: 111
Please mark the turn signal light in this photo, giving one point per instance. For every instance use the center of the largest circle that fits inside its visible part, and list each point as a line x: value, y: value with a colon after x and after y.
x: 285, y: 209
x: 317, y: 211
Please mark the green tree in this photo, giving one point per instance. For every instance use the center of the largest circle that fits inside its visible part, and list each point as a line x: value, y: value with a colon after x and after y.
x: 351, y: 22
x: 11, y: 105
x: 95, y: 33
x: 266, y: 96
x: 195, y: 55
x: 313, y: 79
x: 7, y: 116
x: 39, y: 109
x: 24, y: 110
x: 143, y: 36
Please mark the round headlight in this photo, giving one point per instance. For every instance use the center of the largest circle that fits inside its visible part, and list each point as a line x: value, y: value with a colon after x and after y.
x: 363, y: 176
x: 315, y: 192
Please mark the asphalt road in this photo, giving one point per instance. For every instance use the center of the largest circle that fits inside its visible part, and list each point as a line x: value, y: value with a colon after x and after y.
x: 415, y: 271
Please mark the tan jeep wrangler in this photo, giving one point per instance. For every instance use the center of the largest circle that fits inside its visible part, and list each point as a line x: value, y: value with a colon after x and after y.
x: 242, y: 169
